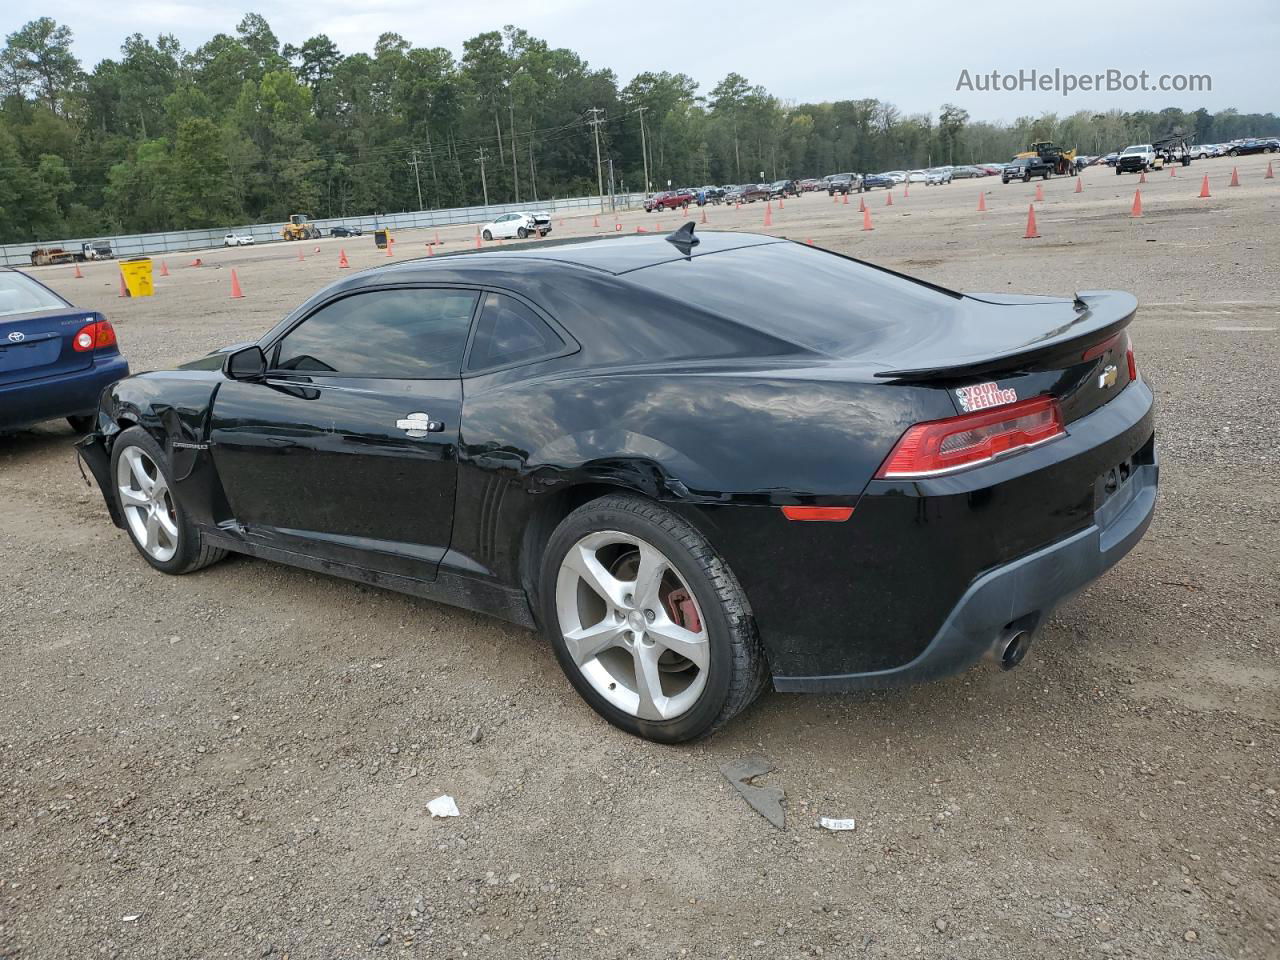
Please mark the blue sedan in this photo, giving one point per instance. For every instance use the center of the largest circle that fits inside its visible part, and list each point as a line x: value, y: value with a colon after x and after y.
x: 54, y: 359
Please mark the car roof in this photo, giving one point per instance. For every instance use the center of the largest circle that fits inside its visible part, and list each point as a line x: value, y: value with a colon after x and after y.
x: 613, y: 255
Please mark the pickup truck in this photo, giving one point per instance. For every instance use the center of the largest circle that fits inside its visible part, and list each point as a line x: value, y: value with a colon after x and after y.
x: 1136, y: 159
x: 668, y: 200
x: 1024, y: 168
x: 844, y: 183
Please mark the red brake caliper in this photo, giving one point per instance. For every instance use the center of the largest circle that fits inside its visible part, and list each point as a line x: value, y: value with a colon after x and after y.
x: 682, y: 611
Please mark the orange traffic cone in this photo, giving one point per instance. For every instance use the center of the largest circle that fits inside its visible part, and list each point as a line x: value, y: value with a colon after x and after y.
x: 1136, y: 209
x: 124, y: 291
x: 780, y: 203
x: 866, y: 219
x: 164, y: 269
x: 846, y: 199
x: 1142, y: 177
x: 1235, y: 178
x: 982, y: 203
x: 809, y: 241
x: 888, y: 199
x: 1032, y: 232
x: 835, y: 199
x: 1270, y: 174
x: 704, y: 214
x: 301, y: 258
x: 437, y: 240
x: 658, y: 226
x: 768, y: 214
x: 431, y: 249
x: 639, y: 229
x: 1079, y: 185
x: 478, y: 241
x: 1173, y: 170
x: 862, y: 203
x: 1204, y: 186
x: 79, y: 275
x: 197, y: 262
x: 906, y: 190
x: 316, y: 250
x: 595, y: 222
x: 1039, y: 193
x: 342, y: 259
x: 236, y: 292
x: 389, y: 245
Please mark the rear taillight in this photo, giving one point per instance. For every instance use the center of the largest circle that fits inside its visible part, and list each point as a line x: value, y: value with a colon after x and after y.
x: 94, y: 336
x: 1133, y: 365
x: 941, y: 446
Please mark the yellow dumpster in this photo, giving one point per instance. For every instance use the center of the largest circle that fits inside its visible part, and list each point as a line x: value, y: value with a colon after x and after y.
x: 137, y: 276
x: 381, y: 238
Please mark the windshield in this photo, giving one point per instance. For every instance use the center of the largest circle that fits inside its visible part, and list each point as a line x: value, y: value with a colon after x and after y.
x: 20, y: 294
x: 1135, y: 149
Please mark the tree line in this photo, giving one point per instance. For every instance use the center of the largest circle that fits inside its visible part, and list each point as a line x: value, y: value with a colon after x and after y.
x: 246, y: 129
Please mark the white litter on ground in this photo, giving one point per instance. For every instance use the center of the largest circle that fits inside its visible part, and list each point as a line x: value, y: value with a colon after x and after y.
x: 443, y: 806
x: 830, y: 823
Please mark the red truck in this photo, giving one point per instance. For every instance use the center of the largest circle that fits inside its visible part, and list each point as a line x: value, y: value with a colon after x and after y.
x: 668, y: 200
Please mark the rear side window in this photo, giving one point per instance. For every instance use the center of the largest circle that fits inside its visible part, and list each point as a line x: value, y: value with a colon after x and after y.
x: 508, y: 332
x: 20, y: 294
x: 391, y: 334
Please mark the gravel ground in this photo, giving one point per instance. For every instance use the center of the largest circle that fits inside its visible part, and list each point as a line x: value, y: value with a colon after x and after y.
x: 237, y: 763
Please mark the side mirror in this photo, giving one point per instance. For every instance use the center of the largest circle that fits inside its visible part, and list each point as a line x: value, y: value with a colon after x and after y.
x: 247, y: 364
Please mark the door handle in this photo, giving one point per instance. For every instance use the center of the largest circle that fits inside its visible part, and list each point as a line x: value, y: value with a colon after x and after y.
x: 419, y: 425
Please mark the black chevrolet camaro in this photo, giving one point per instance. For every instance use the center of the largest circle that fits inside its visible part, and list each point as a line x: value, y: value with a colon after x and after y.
x: 698, y: 464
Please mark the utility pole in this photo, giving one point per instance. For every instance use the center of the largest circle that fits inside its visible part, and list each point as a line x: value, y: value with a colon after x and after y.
x: 644, y: 149
x: 483, y: 182
x: 595, y: 122
x: 415, y: 162
x: 515, y: 174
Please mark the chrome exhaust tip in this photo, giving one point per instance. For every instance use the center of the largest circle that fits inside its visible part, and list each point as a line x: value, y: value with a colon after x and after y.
x: 1010, y: 649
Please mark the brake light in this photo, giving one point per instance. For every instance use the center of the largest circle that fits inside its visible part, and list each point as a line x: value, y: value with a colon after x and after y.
x: 1133, y: 365
x: 941, y: 446
x: 94, y: 336
x: 830, y: 514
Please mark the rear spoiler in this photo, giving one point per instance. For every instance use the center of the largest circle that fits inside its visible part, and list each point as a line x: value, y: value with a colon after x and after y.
x: 1098, y: 315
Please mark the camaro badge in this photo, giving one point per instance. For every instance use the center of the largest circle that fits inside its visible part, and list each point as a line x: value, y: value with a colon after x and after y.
x: 1107, y: 378
x: 983, y: 395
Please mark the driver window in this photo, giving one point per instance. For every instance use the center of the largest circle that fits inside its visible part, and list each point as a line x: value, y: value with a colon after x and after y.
x: 389, y: 334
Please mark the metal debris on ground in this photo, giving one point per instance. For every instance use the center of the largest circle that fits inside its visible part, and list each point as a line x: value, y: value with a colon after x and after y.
x: 766, y: 801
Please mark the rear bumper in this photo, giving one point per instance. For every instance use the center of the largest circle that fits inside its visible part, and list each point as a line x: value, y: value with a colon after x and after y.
x: 72, y: 394
x: 1022, y: 592
x: 913, y: 615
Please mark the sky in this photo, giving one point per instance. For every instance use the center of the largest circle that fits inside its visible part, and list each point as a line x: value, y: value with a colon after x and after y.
x: 912, y: 54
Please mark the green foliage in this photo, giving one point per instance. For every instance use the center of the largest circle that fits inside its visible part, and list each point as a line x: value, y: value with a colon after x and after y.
x: 242, y: 129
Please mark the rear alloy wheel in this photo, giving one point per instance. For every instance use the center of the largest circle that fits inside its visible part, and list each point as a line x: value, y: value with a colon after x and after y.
x: 648, y: 623
x: 151, y: 514
x: 488, y: 235
x: 521, y: 232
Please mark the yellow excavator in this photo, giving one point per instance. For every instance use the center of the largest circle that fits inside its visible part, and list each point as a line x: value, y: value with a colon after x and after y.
x: 300, y: 227
x: 1062, y: 161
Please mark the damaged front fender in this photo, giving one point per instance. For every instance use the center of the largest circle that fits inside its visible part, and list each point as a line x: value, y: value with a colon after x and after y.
x: 92, y: 452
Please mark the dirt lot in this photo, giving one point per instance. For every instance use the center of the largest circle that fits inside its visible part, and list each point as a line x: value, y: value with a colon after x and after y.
x: 237, y: 763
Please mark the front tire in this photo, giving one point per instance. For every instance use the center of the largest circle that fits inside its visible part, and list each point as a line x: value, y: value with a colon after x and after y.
x: 522, y: 233
x: 649, y: 624
x: 488, y: 234
x: 153, y: 518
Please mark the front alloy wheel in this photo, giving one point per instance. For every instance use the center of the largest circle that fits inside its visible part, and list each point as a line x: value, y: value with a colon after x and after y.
x: 147, y: 504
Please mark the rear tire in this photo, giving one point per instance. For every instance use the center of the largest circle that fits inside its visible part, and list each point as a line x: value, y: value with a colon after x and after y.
x: 522, y: 233
x: 488, y: 235
x: 153, y: 518
x: 621, y: 654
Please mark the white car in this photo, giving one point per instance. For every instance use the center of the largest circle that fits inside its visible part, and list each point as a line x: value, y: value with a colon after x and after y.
x: 519, y: 225
x: 237, y: 240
